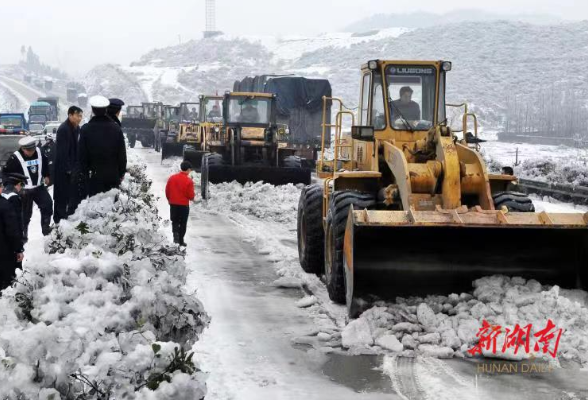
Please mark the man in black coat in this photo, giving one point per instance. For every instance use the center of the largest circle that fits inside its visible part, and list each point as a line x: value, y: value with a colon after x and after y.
x: 102, y: 150
x: 66, y: 179
x: 11, y: 249
x: 32, y: 163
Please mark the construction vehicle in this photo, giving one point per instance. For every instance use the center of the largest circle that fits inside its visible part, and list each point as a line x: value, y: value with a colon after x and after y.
x: 250, y: 146
x: 142, y: 123
x: 408, y: 208
x: 72, y: 94
x: 184, y: 130
x: 299, y: 106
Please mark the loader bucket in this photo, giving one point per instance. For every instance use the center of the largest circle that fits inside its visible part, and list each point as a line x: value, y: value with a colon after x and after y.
x: 255, y: 173
x: 169, y: 150
x: 417, y: 253
x: 194, y: 157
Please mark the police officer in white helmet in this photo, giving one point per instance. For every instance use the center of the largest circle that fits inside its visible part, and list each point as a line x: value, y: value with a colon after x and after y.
x: 30, y: 161
x: 102, y: 150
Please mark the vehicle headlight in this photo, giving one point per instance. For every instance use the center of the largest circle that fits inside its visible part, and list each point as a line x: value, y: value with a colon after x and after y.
x: 373, y: 65
x: 287, y: 131
x: 446, y: 66
x: 216, y: 129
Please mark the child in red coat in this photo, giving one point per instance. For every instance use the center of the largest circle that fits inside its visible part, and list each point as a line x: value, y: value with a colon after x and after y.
x: 179, y: 192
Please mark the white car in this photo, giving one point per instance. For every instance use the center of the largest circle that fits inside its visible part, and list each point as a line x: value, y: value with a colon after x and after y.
x: 51, y: 127
x: 36, y: 129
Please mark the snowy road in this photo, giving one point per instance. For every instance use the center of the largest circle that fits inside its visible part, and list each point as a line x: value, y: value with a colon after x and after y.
x: 253, y: 347
x: 26, y: 92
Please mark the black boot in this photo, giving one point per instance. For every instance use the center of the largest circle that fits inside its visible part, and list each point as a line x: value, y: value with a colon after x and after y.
x: 46, y: 226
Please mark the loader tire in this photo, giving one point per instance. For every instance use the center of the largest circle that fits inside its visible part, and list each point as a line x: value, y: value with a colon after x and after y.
x: 292, y: 162
x: 310, y: 232
x: 336, y: 223
x: 208, y: 160
x: 513, y: 201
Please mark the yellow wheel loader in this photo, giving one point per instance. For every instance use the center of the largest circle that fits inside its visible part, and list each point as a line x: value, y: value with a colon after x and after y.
x: 250, y: 146
x: 408, y: 208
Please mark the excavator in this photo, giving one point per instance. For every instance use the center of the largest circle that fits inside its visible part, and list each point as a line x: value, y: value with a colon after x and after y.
x: 407, y: 206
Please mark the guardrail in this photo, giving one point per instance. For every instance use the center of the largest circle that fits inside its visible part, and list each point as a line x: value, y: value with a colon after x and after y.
x: 560, y: 191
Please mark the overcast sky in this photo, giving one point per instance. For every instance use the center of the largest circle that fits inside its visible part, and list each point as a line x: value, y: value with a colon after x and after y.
x: 78, y: 35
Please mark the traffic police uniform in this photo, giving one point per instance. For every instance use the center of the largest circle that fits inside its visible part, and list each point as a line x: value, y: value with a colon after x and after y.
x: 102, y: 150
x: 35, y: 168
x: 114, y: 108
x: 11, y: 242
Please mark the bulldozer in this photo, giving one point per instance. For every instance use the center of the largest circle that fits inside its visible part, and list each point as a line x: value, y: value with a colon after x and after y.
x: 408, y: 207
x: 250, y: 145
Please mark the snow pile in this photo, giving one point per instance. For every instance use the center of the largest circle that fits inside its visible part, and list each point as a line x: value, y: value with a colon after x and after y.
x: 261, y: 200
x: 447, y: 326
x: 113, y: 81
x: 103, y: 314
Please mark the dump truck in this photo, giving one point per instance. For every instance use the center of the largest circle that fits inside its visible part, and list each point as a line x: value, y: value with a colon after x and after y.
x: 40, y: 112
x: 54, y: 102
x: 196, y: 120
x: 299, y: 106
x: 142, y: 123
x: 250, y: 145
x: 407, y: 206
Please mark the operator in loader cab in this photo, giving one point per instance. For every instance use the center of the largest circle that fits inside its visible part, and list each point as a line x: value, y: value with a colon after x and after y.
x: 404, y: 107
x: 249, y: 114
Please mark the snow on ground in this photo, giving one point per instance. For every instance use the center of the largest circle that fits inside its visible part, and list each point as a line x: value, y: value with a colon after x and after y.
x: 103, y: 309
x: 437, y: 326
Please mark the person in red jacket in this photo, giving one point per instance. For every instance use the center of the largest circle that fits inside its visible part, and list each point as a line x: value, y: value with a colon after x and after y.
x: 179, y: 192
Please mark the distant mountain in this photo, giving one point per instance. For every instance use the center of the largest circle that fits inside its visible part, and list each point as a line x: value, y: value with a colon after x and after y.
x: 494, y: 63
x: 423, y: 19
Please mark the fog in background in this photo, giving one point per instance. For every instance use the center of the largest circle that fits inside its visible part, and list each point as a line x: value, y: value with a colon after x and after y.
x: 75, y: 36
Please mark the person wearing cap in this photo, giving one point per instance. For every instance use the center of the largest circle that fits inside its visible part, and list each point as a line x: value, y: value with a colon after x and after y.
x: 48, y: 150
x: 405, y: 107
x: 179, y: 192
x: 66, y: 175
x: 102, y: 151
x: 114, y: 110
x: 30, y: 161
x: 13, y: 186
x: 11, y: 248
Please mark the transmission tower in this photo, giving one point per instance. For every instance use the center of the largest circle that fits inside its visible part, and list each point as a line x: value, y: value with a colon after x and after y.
x: 210, y: 12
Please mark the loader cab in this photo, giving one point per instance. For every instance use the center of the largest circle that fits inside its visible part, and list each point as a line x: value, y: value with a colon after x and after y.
x: 211, y: 109
x: 249, y: 109
x: 189, y: 112
x: 153, y: 110
x: 402, y: 100
x: 134, y: 112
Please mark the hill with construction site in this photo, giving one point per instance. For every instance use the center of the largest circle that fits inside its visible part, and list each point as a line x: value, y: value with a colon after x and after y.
x: 494, y: 62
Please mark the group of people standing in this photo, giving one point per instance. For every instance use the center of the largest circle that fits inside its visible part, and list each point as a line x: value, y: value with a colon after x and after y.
x: 82, y: 162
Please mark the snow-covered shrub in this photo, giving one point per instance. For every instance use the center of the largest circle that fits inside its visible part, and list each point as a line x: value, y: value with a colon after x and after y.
x: 103, y: 313
x: 574, y: 172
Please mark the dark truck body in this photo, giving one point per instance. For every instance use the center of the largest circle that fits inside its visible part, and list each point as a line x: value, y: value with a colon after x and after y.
x: 299, y: 106
x: 140, y: 123
x: 12, y: 128
x: 54, y: 102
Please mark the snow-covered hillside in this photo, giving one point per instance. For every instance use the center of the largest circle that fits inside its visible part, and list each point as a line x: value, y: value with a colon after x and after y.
x: 493, y: 61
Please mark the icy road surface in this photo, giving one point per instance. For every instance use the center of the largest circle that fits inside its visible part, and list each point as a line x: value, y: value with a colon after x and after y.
x: 262, y: 342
